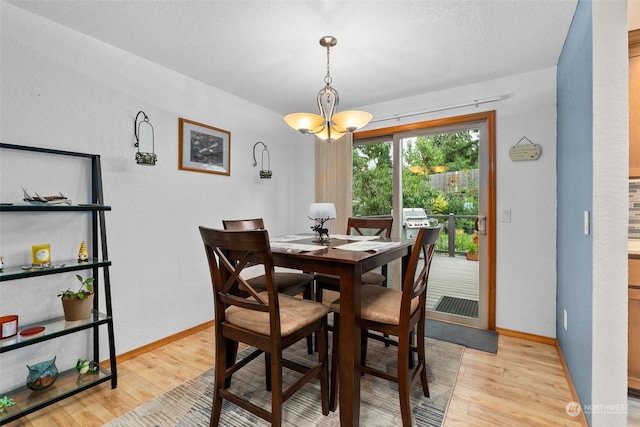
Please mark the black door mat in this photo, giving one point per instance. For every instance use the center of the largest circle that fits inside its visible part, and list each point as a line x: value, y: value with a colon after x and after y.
x: 479, y: 339
x: 459, y: 306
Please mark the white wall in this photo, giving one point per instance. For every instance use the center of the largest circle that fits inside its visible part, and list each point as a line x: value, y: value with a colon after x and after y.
x: 63, y: 90
x: 526, y: 247
x: 610, y: 213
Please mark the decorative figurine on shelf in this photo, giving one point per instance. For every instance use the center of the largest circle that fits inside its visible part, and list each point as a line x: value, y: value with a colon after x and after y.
x: 83, y: 255
x: 5, y: 403
x: 85, y: 366
x: 42, y: 375
x: 46, y: 200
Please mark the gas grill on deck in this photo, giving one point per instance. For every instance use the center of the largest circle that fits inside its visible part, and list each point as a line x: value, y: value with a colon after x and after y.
x: 412, y: 219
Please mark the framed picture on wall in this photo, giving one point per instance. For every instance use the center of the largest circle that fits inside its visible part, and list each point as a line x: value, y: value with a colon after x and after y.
x: 203, y: 148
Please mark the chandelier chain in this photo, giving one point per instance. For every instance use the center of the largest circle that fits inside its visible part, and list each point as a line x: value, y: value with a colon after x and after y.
x: 327, y: 78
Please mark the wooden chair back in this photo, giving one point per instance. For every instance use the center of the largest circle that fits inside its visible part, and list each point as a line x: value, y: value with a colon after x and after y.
x: 416, y: 285
x: 228, y: 253
x: 380, y: 226
x: 243, y: 224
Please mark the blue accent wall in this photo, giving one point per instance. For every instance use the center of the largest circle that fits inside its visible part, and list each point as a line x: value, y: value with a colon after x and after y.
x: 575, y: 183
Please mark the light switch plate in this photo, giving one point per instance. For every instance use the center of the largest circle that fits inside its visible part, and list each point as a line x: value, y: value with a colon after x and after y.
x: 587, y: 228
x: 505, y: 215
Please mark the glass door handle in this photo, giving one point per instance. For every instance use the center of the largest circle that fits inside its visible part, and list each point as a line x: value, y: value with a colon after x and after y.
x: 481, y: 224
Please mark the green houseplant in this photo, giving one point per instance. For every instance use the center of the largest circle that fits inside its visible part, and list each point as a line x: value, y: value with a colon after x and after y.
x: 77, y: 305
x: 472, y: 250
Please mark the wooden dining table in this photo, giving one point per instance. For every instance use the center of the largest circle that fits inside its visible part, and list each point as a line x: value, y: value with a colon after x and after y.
x: 349, y: 266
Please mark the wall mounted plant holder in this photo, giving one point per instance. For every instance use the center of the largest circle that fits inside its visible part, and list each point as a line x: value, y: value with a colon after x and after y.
x: 143, y: 131
x: 264, y: 173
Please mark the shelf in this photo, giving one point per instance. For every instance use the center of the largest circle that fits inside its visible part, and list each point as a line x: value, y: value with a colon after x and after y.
x: 53, y: 328
x: 25, y: 207
x: 13, y: 273
x: 68, y: 383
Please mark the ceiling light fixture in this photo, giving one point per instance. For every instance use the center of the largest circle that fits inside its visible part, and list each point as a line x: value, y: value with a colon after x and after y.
x: 329, y: 125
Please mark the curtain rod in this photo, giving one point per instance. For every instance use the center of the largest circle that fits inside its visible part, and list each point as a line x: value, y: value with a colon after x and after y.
x: 475, y: 102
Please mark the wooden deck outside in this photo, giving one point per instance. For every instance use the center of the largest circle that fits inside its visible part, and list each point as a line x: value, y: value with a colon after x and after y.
x: 450, y: 276
x: 454, y: 277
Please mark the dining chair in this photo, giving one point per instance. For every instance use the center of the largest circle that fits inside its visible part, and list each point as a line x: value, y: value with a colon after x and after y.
x: 395, y: 313
x: 290, y: 283
x: 267, y: 320
x: 360, y: 227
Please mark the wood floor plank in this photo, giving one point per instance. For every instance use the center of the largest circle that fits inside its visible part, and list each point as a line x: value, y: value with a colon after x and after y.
x: 633, y: 415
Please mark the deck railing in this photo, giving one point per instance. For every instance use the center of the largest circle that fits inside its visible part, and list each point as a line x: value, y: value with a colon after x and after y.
x: 449, y: 222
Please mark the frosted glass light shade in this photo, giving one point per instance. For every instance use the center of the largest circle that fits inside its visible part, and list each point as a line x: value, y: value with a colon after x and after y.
x: 335, y: 133
x: 351, y: 120
x: 304, y: 122
x: 322, y: 211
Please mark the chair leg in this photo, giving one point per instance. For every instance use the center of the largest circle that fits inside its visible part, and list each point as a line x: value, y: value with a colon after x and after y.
x: 308, y: 295
x: 333, y: 401
x: 219, y: 381
x: 275, y: 374
x: 323, y: 358
x: 422, y: 360
x: 267, y: 370
x: 231, y: 350
x: 403, y: 379
x: 318, y: 293
x: 411, y: 340
x: 318, y: 298
x: 364, y: 344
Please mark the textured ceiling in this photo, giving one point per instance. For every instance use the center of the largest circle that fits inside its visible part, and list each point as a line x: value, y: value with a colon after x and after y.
x: 268, y: 52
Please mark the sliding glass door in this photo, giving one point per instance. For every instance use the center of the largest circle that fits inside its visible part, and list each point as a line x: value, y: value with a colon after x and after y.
x: 440, y: 171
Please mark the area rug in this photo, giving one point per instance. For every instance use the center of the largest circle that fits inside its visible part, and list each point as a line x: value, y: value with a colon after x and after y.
x: 478, y: 339
x: 459, y: 306
x: 190, y: 403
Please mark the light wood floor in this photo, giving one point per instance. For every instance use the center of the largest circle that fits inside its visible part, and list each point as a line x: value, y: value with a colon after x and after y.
x: 522, y: 385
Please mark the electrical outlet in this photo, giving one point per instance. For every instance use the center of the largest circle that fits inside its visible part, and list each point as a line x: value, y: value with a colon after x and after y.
x: 565, y: 319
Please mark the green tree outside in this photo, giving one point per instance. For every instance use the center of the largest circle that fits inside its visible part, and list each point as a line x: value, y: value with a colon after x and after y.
x: 456, y: 151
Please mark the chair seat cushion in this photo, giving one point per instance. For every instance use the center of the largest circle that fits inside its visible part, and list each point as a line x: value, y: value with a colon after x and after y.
x: 295, y: 313
x: 379, y: 304
x: 368, y: 278
x: 372, y: 278
x: 284, y: 281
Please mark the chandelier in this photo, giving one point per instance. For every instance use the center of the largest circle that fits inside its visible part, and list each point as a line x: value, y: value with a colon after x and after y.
x: 329, y: 125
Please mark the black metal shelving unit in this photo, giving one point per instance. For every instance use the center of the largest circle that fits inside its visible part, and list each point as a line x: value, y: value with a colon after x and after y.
x: 68, y: 382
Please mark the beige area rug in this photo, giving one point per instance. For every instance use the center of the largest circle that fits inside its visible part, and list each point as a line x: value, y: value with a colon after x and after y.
x: 190, y: 403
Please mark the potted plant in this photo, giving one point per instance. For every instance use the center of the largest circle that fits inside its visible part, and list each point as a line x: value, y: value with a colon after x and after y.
x: 77, y: 305
x: 472, y: 251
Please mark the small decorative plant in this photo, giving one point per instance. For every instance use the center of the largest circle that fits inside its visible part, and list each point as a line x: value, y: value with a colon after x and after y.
x: 5, y: 402
x: 473, y: 249
x: 86, y: 289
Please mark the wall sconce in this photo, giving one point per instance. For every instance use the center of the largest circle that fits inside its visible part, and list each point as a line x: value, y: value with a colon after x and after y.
x: 144, y: 141
x: 264, y: 173
x: 321, y: 213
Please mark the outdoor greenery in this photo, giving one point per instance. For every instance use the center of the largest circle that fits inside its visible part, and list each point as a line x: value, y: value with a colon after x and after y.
x: 464, y: 242
x: 424, y: 157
